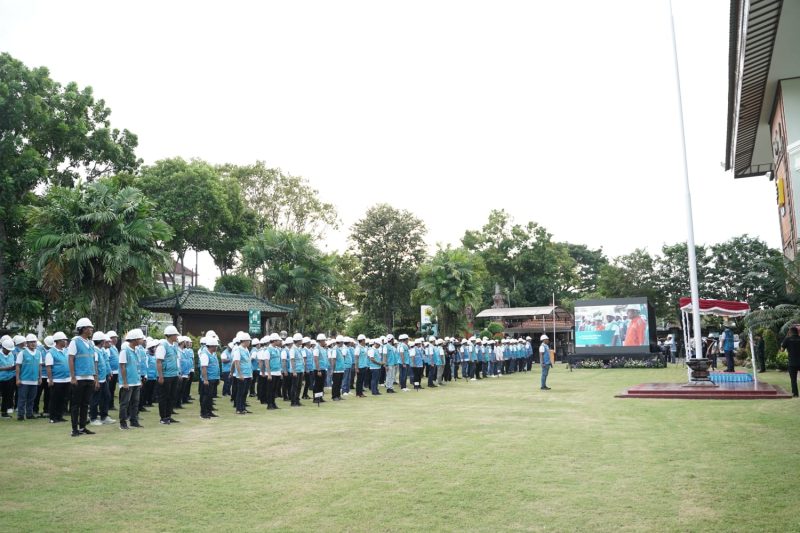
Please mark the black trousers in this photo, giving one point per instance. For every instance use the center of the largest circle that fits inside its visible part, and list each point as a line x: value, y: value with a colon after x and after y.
x: 7, y: 389
x: 242, y: 388
x: 729, y: 361
x: 353, y: 378
x: 447, y: 373
x: 319, y: 384
x: 273, y: 385
x: 431, y: 375
x: 479, y: 369
x: 296, y: 383
x: 336, y: 390
x: 43, y: 388
x: 129, y: 404
x: 307, y: 377
x: 417, y: 377
x: 793, y: 370
x: 149, y: 389
x: 166, y: 397
x: 186, y: 387
x: 404, y: 376
x: 262, y: 389
x: 252, y: 384
x: 80, y: 394
x: 361, y: 377
x: 58, y: 400
x: 226, y: 383
x: 207, y: 396
x: 112, y: 388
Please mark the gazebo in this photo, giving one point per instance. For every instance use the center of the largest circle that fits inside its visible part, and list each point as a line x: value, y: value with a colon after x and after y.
x: 196, y: 311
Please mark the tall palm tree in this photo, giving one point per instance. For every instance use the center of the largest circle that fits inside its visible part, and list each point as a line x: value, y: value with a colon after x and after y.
x: 450, y: 282
x: 100, y: 241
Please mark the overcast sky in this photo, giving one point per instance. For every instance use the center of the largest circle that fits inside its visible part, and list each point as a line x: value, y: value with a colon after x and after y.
x: 560, y: 112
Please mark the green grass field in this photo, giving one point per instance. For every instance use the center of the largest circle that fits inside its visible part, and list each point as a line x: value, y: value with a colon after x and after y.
x: 492, y: 455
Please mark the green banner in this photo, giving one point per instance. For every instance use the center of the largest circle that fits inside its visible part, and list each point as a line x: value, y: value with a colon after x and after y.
x: 254, y: 318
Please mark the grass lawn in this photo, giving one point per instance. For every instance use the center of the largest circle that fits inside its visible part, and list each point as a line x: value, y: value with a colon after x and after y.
x: 492, y: 455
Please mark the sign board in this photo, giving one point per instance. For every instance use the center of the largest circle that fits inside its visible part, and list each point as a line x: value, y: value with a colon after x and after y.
x: 254, y: 319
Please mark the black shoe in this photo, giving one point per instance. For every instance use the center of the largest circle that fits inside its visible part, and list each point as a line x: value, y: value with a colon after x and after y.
x: 143, y: 410
x: 164, y: 421
x: 390, y: 391
x: 124, y: 427
x: 295, y: 405
x: 241, y: 412
x: 136, y: 425
x: 545, y: 388
x: 173, y: 421
x: 212, y: 415
x: 29, y: 417
x: 376, y: 393
x: 205, y: 417
x: 87, y: 431
x: 112, y: 408
x: 22, y: 418
x: 5, y: 415
x: 178, y: 407
x: 306, y: 397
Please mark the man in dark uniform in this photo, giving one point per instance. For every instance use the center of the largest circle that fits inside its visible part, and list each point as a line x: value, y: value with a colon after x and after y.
x: 792, y: 346
x: 758, y: 345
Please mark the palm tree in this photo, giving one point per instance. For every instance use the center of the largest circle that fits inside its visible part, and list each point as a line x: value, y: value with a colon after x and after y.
x: 97, y: 243
x: 450, y: 282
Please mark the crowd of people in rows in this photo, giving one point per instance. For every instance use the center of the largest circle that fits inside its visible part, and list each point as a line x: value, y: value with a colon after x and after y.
x: 80, y: 376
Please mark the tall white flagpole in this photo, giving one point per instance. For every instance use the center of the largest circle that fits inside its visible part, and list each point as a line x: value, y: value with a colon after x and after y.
x: 698, y: 342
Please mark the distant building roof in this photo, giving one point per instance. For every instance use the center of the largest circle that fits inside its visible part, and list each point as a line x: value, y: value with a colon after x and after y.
x: 518, y: 311
x: 179, y: 270
x: 210, y: 301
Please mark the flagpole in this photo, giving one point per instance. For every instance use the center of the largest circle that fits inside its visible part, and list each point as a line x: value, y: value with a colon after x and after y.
x: 698, y: 346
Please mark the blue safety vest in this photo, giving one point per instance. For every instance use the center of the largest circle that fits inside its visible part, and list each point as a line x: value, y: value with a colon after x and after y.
x: 29, y: 369
x: 169, y: 365
x: 60, y: 366
x: 113, y: 359
x: 212, y: 370
x: 132, y: 376
x: 7, y: 359
x: 84, y: 357
x: 245, y: 367
x: 375, y: 353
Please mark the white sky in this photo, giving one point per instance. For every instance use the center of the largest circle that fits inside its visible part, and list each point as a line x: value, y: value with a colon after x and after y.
x: 560, y: 112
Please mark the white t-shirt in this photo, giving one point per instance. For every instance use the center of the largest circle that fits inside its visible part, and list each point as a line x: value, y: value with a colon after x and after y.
x: 203, y: 359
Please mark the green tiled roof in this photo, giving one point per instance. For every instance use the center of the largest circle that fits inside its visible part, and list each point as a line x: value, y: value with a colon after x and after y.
x: 197, y: 300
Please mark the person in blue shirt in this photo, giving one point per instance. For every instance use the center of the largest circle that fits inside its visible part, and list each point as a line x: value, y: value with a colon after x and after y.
x: 98, y: 407
x: 544, y: 352
x: 141, y: 358
x: 297, y: 366
x: 362, y: 364
x: 57, y: 366
x: 321, y: 367
x: 389, y: 356
x: 42, y: 390
x: 308, y: 374
x: 348, y: 352
x: 83, y: 376
x: 113, y: 361
x: 152, y: 372
x: 255, y: 349
x: 130, y: 382
x: 375, y: 365
x: 273, y: 367
x: 209, y: 376
x: 8, y: 381
x: 728, y: 347
x: 187, y: 370
x: 225, y: 375
x: 28, y: 374
x: 437, y: 363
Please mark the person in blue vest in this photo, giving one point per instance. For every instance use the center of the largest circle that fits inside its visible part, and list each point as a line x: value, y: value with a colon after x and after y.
x: 285, y: 388
x: 478, y: 355
x: 375, y: 364
x: 8, y: 372
x: 347, y: 352
x: 113, y: 362
x: 308, y: 374
x: 404, y: 360
x: 463, y: 351
x: 225, y: 374
x: 261, y: 351
x: 83, y: 376
x: 98, y: 406
x: 273, y: 369
x: 417, y: 364
x: 255, y: 349
x: 151, y: 384
x: 727, y: 341
x: 168, y: 370
x: 141, y: 358
x: 187, y: 370
x: 56, y: 363
x: 337, y: 367
x: 389, y: 356
x: 362, y: 364
x: 130, y: 382
x: 297, y: 366
x: 209, y: 376
x: 544, y: 352
x: 42, y: 390
x: 242, y: 371
x: 321, y: 368
x: 28, y: 375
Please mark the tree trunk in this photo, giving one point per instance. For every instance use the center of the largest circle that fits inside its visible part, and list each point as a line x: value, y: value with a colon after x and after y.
x: 183, y: 273
x: 3, y: 281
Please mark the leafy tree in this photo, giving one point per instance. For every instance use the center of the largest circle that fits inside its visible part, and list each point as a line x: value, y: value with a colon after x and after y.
x: 360, y: 324
x: 291, y: 270
x: 389, y: 245
x: 743, y: 268
x: 588, y: 263
x: 672, y: 276
x: 236, y: 223
x: 450, y: 282
x: 49, y: 134
x: 524, y: 260
x: 234, y: 283
x: 96, y: 249
x: 190, y: 198
x: 281, y: 200
x: 632, y: 275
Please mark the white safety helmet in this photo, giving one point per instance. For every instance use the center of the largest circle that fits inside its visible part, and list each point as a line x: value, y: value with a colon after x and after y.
x: 211, y: 333
x: 402, y: 337
x: 98, y: 336
x: 31, y: 338
x: 111, y: 334
x: 242, y: 336
x: 297, y: 337
x: 84, y: 323
x: 170, y: 330
x: 19, y: 339
x: 288, y: 341
x: 389, y: 337
x: 59, y: 336
x: 265, y: 339
x: 212, y: 341
x: 339, y: 338
x: 544, y: 338
x: 152, y: 343
x: 361, y: 337
x: 134, y: 335
x: 431, y: 339
x: 274, y: 337
x: 8, y: 344
x: 48, y: 341
x: 321, y: 337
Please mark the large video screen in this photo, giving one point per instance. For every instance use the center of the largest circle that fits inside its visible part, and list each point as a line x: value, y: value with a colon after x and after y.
x: 613, y: 326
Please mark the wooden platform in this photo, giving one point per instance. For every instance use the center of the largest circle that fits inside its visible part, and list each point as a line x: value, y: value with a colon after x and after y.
x: 723, y: 391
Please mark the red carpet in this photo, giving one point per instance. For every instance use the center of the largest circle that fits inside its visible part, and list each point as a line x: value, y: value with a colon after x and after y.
x: 723, y: 391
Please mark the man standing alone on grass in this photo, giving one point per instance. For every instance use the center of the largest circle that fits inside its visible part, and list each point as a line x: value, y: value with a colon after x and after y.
x: 792, y: 346
x: 544, y: 352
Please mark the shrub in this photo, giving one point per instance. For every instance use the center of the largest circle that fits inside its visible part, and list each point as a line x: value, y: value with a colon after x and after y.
x: 780, y: 361
x: 770, y: 344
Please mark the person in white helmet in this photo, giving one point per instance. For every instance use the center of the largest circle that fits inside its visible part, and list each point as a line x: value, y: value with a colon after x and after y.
x: 113, y: 362
x: 8, y: 381
x: 150, y: 386
x: 404, y: 360
x: 83, y: 376
x: 544, y: 353
x: 336, y: 356
x: 130, y: 382
x: 242, y: 372
x: 209, y: 376
x: 98, y: 406
x: 349, y: 375
x: 308, y: 374
x: 273, y: 368
x: 362, y: 365
x: 168, y: 370
x: 321, y: 367
x: 225, y: 372
x: 297, y: 366
x: 56, y: 363
x: 28, y: 374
